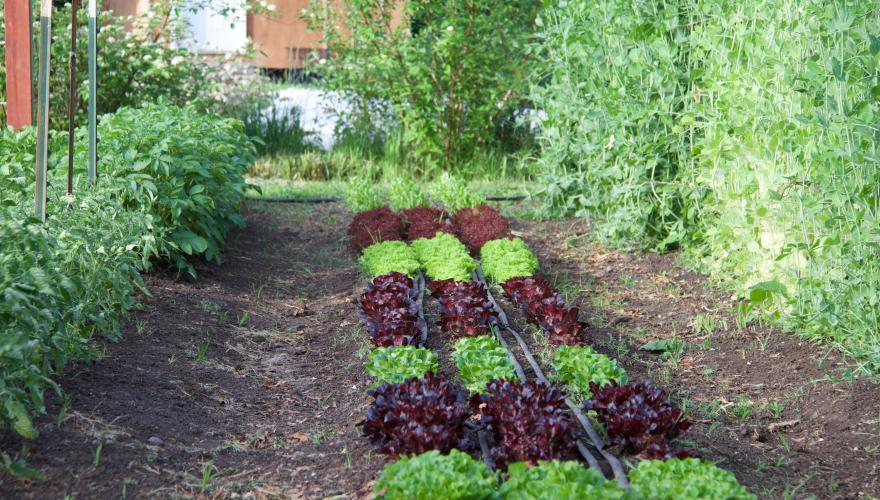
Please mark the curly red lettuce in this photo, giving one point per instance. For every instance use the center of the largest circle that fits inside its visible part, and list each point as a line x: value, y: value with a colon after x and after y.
x: 418, y: 415
x: 639, y: 419
x: 530, y: 422
x: 373, y: 226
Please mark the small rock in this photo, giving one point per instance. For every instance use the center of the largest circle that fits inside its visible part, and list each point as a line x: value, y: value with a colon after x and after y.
x: 277, y: 359
x: 155, y: 440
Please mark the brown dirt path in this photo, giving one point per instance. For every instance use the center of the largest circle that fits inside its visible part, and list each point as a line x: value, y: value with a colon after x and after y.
x: 248, y: 382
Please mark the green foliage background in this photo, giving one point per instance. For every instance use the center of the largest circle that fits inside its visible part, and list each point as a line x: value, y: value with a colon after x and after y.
x: 162, y: 198
x: 743, y: 131
x: 446, y: 76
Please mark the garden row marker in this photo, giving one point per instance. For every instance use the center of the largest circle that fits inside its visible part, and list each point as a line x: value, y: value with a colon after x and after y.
x: 19, y: 64
x: 43, y: 109
x: 93, y: 91
x: 71, y: 104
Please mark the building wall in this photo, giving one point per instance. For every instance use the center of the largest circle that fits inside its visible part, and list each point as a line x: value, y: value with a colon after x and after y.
x: 282, y: 39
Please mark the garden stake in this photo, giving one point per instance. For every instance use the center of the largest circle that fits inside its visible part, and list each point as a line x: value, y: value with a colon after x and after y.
x: 71, y: 104
x: 93, y: 92
x: 43, y: 109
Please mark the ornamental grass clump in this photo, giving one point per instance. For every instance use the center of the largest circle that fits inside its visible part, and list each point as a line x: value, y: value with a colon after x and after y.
x: 455, y: 475
x: 685, y: 478
x: 579, y: 367
x: 530, y: 422
x: 389, y: 256
x: 481, y: 360
x: 639, y: 419
x: 416, y: 416
x: 507, y: 258
x: 398, y: 364
x: 374, y: 226
x: 444, y: 257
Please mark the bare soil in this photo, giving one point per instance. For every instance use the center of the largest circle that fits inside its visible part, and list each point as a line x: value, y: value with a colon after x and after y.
x: 249, y: 381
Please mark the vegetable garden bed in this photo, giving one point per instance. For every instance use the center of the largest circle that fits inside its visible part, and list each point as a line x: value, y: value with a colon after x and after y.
x: 524, y: 423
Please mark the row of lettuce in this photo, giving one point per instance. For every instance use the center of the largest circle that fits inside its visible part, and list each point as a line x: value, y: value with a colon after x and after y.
x: 170, y: 187
x: 427, y: 422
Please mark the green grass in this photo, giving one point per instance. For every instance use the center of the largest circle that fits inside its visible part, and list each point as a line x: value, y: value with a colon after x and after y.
x: 283, y: 188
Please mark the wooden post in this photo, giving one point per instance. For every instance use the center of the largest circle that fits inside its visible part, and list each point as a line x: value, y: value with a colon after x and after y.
x: 19, y: 72
x: 93, y: 91
x: 43, y: 109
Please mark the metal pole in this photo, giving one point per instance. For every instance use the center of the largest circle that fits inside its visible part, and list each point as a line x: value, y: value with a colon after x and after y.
x: 93, y: 91
x: 71, y: 104
x: 19, y: 64
x: 43, y: 109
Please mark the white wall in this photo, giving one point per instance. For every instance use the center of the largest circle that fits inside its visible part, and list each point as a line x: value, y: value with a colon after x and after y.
x: 212, y: 32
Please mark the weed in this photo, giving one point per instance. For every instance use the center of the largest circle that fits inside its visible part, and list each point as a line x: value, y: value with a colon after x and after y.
x: 776, y: 408
x: 96, y: 455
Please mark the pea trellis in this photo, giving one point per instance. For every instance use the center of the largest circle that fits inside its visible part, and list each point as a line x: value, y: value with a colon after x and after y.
x: 20, y: 83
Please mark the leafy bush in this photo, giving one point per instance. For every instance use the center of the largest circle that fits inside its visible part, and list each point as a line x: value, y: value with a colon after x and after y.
x: 444, y: 257
x: 687, y: 478
x: 403, y: 194
x: 416, y: 416
x: 465, y: 308
x: 531, y: 422
x: 183, y: 166
x: 76, y: 275
x: 681, y: 142
x: 481, y: 360
x: 374, y: 226
x: 453, y: 193
x: 610, y: 143
x: 428, y: 70
x: 425, y: 222
x: 638, y: 418
x: 479, y: 225
x: 134, y: 68
x: 557, y: 480
x: 507, y: 258
x: 432, y: 475
x: 398, y: 364
x: 389, y: 308
x: 579, y: 367
x: 389, y: 256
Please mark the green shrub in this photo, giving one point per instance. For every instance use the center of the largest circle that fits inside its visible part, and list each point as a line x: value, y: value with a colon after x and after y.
x: 507, y: 258
x: 444, y: 257
x: 403, y: 193
x: 611, y: 144
x: 397, y: 364
x: 557, y: 480
x: 428, y: 71
x: 481, y: 360
x: 387, y: 256
x: 577, y: 367
x: 432, y: 475
x: 742, y: 131
x: 74, y: 276
x: 134, y: 69
x: 183, y: 166
x: 689, y: 478
x: 453, y: 193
